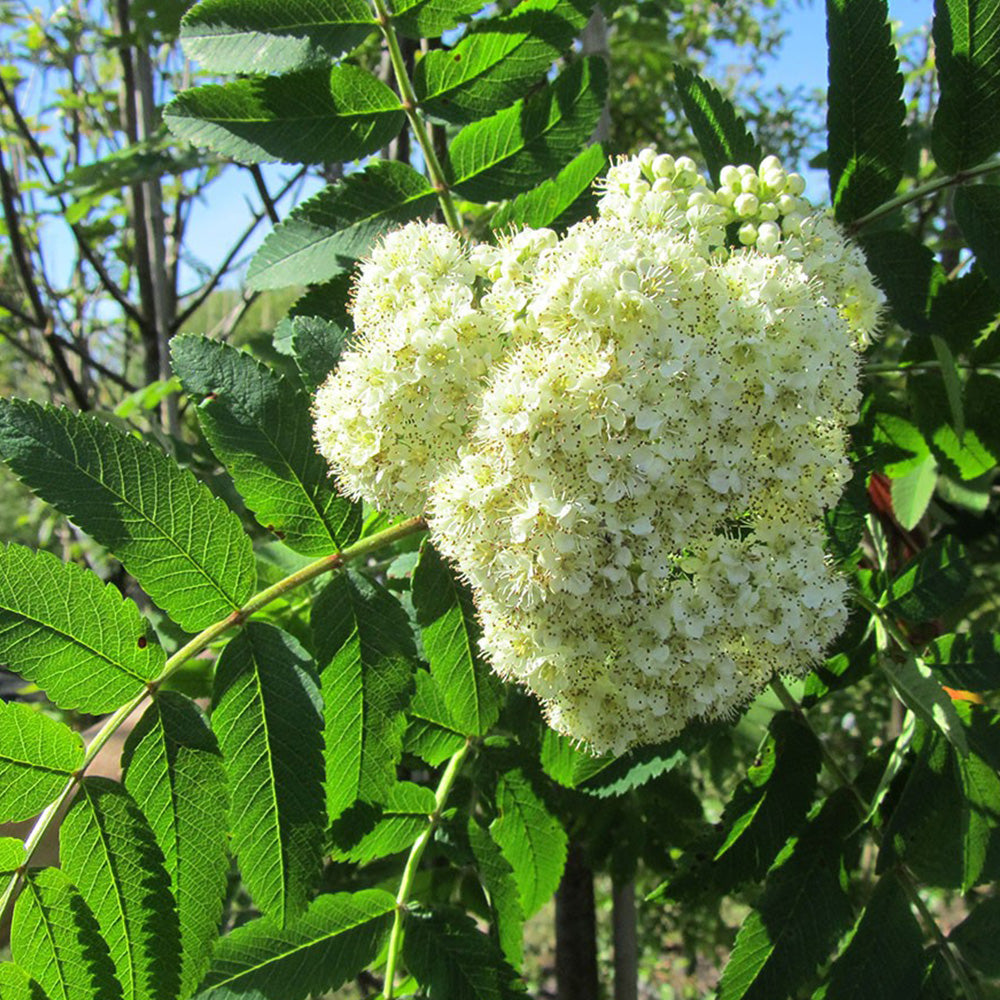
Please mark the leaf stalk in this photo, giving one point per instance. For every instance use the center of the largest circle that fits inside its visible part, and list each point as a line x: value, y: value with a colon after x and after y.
x: 413, y: 864
x: 410, y: 105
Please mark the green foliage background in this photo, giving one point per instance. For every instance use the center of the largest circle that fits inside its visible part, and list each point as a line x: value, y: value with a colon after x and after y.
x: 355, y: 797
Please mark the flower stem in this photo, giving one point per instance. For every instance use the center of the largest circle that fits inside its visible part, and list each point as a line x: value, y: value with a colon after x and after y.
x: 113, y: 723
x: 413, y: 863
x: 408, y: 98
x: 931, y: 187
x: 903, y: 368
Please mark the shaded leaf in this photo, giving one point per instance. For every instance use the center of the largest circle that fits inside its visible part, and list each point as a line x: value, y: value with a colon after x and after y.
x: 327, y: 233
x: 498, y: 59
x: 967, y: 56
x: 369, y: 831
x: 721, y: 132
x: 38, y: 754
x: 313, y: 116
x: 453, y: 960
x: 107, y: 849
x: 497, y: 878
x: 803, y: 911
x: 432, y: 18
x: 768, y: 806
x: 968, y: 661
x: 560, y: 201
x: 366, y: 656
x: 267, y: 714
x: 522, y: 145
x: 185, y: 547
x: 930, y: 583
x: 907, y: 272
x: 71, y: 634
x: 976, y: 937
x: 865, y: 111
x: 917, y: 688
x: 432, y: 733
x: 316, y: 346
x: 173, y: 769
x: 243, y: 36
x: 337, y: 937
x: 260, y: 426
x: 977, y: 211
x: 55, y: 938
x: 16, y: 984
x: 532, y: 840
x: 957, y: 442
x: 884, y: 956
x: 449, y: 627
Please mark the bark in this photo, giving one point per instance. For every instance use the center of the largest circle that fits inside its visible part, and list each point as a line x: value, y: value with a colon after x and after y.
x: 576, y: 931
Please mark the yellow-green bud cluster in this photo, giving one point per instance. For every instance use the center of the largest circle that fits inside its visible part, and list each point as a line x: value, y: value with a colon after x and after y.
x: 630, y: 457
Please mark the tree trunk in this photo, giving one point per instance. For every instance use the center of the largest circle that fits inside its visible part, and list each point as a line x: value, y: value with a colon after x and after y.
x: 576, y: 932
x: 626, y: 942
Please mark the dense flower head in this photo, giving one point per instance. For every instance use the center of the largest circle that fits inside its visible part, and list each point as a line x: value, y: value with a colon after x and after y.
x: 625, y: 438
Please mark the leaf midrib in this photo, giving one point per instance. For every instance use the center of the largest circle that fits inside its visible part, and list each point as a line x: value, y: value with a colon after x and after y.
x: 72, y: 639
x: 141, y: 515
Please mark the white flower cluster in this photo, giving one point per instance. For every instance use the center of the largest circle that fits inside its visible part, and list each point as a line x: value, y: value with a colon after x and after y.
x: 625, y: 438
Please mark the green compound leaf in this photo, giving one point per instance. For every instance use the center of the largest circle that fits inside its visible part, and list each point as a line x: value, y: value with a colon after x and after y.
x: 969, y: 661
x: 254, y: 36
x: 865, y: 111
x: 71, y: 634
x: 313, y: 116
x: 366, y: 655
x: 532, y: 840
x: 720, y: 130
x: 55, y: 938
x: 16, y: 984
x: 260, y: 426
x: 884, y: 956
x: 768, y: 807
x: 337, y: 937
x: 803, y: 911
x: 967, y: 55
x: 326, y: 234
x: 108, y: 851
x: 173, y: 769
x: 980, y: 814
x: 432, y: 733
x: 267, y: 713
x: 929, y: 584
x: 367, y: 831
x: 37, y: 756
x: 498, y: 59
x: 453, y: 960
x: 977, y: 211
x: 450, y: 631
x: 497, y: 878
x: 185, y: 547
x: 432, y: 18
x: 520, y: 146
x: 560, y: 201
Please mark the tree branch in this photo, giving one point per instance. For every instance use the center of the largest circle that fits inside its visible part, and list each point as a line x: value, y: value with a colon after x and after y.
x: 109, y: 284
